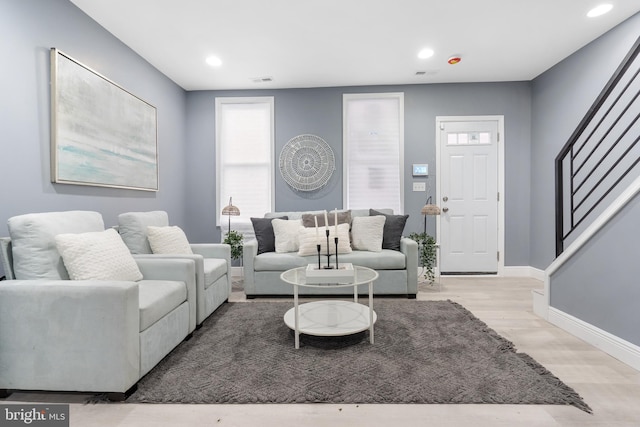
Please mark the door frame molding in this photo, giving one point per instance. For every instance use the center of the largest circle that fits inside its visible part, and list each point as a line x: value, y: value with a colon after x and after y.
x: 501, y: 168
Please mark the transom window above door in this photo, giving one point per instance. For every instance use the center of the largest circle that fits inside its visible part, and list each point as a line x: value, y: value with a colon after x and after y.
x: 469, y: 138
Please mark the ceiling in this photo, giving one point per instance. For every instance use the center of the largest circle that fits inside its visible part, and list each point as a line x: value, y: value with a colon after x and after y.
x: 322, y: 43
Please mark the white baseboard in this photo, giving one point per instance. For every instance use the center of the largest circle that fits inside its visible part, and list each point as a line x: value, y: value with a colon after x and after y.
x: 237, y: 271
x: 622, y: 350
x: 524, y: 271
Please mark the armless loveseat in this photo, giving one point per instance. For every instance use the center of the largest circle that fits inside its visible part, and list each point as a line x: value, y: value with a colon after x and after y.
x: 99, y: 335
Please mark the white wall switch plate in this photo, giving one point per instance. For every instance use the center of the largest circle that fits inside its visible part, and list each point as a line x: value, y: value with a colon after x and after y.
x: 420, y: 186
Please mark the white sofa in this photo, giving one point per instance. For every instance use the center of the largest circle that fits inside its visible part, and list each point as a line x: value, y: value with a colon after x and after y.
x: 58, y: 334
x: 397, y: 269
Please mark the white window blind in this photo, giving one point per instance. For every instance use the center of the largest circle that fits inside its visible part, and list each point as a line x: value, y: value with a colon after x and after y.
x: 373, y: 138
x: 244, y: 153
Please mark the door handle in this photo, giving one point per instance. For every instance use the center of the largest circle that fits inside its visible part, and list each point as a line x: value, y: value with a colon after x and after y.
x: 445, y: 198
x: 445, y: 209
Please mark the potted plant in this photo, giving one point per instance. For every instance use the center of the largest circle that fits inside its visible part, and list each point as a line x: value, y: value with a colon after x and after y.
x: 234, y: 239
x: 426, y: 254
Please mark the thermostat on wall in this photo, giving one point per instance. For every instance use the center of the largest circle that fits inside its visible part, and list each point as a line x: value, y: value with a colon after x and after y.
x: 421, y: 169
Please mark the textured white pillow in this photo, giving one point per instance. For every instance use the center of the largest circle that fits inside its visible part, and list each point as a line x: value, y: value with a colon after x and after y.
x: 308, y: 240
x: 168, y: 240
x: 286, y: 234
x: 98, y: 255
x: 367, y: 233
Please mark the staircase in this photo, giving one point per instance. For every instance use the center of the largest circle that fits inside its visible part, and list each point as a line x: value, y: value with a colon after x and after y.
x: 590, y: 287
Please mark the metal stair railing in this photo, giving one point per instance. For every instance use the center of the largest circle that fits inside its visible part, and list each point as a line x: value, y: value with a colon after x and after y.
x: 601, y: 152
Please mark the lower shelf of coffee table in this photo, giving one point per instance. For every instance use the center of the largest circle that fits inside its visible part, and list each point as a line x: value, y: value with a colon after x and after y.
x: 330, y: 318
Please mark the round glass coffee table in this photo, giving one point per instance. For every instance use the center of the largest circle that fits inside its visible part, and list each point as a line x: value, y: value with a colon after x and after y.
x: 330, y: 317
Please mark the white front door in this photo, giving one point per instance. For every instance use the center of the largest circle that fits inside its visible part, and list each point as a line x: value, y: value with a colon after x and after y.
x: 468, y: 179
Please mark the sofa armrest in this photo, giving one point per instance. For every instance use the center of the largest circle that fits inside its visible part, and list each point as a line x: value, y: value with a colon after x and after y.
x: 249, y: 252
x: 182, y: 270
x: 409, y: 248
x: 212, y: 250
x: 215, y: 250
x: 55, y: 332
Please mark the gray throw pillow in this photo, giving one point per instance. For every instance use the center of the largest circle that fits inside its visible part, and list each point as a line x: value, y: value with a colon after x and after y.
x: 264, y: 234
x: 393, y: 228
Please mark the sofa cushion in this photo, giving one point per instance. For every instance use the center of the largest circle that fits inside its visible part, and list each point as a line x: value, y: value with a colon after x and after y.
x: 309, y: 238
x: 168, y: 240
x: 214, y: 268
x: 393, y: 228
x: 263, y: 230
x: 286, y: 234
x: 367, y: 233
x: 97, y: 255
x: 384, y: 260
x: 290, y: 215
x: 132, y: 227
x: 35, y: 255
x: 157, y: 298
x: 309, y: 219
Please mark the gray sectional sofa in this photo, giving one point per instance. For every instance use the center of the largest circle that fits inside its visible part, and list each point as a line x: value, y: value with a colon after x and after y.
x: 397, y: 269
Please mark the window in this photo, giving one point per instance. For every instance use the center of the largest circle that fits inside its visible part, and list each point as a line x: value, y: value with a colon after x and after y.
x: 373, y: 139
x: 244, y: 153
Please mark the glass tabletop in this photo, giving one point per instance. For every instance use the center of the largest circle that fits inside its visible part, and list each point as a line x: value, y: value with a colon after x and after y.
x: 298, y: 276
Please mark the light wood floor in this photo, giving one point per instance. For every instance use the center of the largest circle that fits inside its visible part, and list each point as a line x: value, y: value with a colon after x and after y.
x: 611, y: 388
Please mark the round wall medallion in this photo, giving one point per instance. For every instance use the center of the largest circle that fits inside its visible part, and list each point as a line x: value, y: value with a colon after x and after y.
x: 307, y: 162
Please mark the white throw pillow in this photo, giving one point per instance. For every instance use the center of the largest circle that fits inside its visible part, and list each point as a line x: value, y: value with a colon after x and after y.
x: 309, y: 240
x: 98, y: 255
x: 168, y: 240
x: 286, y: 234
x: 367, y: 233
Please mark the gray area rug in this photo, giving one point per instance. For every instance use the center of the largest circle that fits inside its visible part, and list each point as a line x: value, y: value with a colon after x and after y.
x: 425, y: 352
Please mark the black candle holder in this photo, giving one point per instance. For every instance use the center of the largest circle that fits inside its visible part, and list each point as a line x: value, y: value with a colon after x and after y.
x: 328, y: 266
x: 318, y: 246
x: 336, y: 240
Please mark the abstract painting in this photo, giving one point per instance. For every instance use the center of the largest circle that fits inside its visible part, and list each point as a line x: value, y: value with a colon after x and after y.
x: 101, y: 134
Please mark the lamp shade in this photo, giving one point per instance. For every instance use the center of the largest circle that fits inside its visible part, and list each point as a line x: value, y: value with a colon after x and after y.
x: 429, y: 209
x: 230, y: 209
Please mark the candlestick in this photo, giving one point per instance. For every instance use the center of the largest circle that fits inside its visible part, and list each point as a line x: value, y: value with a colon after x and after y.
x: 329, y: 266
x: 336, y: 221
x: 326, y: 223
x: 315, y: 218
x: 336, y: 240
x: 318, y: 246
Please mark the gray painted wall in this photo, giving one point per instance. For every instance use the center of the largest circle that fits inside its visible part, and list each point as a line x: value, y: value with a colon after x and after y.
x: 319, y: 111
x: 599, y: 285
x: 539, y: 117
x: 561, y: 97
x: 28, y: 29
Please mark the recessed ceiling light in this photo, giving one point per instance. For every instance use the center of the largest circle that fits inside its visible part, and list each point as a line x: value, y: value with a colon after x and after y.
x: 599, y: 10
x: 425, y: 53
x: 214, y: 61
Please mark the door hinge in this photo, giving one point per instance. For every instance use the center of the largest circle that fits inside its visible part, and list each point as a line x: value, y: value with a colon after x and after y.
x: 498, y: 256
x: 498, y: 136
x: 498, y: 196
x: 441, y: 125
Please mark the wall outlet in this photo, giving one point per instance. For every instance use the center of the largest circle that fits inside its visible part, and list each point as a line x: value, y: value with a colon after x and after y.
x: 420, y: 186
